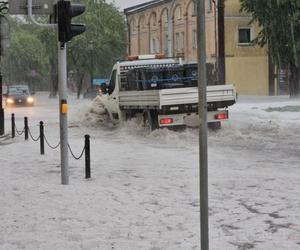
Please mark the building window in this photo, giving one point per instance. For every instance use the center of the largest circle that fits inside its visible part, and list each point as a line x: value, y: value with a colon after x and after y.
x: 177, y: 36
x: 194, y: 39
x: 165, y: 16
x: 182, y: 41
x: 157, y: 45
x: 178, y: 12
x: 244, y: 36
x: 166, y: 43
x: 179, y: 41
x: 154, y: 45
x: 209, y: 5
x: 133, y: 25
x: 194, y: 8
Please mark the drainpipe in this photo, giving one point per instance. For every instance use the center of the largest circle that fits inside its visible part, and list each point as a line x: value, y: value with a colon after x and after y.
x: 129, y: 37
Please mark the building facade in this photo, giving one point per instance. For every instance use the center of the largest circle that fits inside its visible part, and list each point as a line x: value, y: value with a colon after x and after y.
x: 247, y: 65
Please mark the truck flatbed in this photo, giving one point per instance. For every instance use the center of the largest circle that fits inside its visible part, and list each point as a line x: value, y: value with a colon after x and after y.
x: 224, y: 95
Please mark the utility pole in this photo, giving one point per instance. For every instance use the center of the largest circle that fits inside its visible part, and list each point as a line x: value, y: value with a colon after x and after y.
x: 221, y: 43
x: 202, y: 110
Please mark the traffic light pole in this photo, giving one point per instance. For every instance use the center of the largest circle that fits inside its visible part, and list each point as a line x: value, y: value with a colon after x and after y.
x: 63, y: 111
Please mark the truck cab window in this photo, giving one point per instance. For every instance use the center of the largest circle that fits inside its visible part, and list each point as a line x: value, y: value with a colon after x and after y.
x: 112, y: 82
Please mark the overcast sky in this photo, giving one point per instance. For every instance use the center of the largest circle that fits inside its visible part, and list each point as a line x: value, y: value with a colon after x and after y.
x: 122, y: 4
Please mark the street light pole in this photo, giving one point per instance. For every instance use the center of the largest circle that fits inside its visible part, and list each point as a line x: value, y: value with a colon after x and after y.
x: 202, y: 110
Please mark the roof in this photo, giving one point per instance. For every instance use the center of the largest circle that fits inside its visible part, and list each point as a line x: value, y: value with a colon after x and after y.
x: 144, y: 6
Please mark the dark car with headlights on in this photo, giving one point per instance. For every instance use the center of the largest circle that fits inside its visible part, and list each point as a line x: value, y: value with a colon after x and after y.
x: 19, y: 95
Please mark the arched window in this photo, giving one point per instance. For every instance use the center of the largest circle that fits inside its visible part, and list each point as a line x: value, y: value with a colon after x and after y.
x: 133, y: 25
x: 164, y: 16
x: 142, y: 23
x: 178, y: 12
x: 193, y: 8
x: 153, y: 20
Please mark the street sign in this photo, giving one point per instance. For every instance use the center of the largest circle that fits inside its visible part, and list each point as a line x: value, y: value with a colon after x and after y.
x: 39, y: 7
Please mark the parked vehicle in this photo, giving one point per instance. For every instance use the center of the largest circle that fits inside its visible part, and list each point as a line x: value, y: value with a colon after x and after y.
x: 19, y: 95
x: 164, y: 92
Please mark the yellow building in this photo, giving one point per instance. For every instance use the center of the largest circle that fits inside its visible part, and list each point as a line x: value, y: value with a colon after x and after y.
x: 247, y: 66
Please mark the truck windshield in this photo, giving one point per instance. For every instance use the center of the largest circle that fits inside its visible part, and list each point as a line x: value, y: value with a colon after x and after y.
x: 162, y: 77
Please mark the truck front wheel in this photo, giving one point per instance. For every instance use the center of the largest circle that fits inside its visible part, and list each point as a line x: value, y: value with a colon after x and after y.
x: 151, y: 119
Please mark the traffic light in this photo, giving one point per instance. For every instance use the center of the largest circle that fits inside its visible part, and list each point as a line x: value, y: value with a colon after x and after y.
x: 65, y: 12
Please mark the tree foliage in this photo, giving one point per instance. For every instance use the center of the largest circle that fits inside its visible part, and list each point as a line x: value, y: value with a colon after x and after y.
x: 280, y: 30
x: 91, y: 53
x: 26, y: 61
x: 104, y: 41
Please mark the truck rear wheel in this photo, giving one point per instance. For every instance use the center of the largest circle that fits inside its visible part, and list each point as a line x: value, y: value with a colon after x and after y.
x: 150, y: 120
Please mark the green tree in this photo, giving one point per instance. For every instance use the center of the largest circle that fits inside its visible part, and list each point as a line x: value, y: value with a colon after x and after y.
x: 49, y: 40
x: 95, y: 51
x: 26, y: 60
x: 280, y: 31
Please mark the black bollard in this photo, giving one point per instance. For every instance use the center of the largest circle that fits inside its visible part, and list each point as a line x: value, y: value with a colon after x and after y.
x: 13, y: 128
x: 42, y: 138
x: 26, y: 128
x: 87, y: 157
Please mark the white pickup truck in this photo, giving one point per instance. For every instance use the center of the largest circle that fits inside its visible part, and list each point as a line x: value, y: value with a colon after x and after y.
x: 164, y: 92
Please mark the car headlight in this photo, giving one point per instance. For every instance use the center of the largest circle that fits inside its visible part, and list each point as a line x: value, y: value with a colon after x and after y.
x: 30, y: 100
x: 9, y: 101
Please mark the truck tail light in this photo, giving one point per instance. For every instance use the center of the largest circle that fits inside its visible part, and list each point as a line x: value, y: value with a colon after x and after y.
x: 165, y: 121
x: 221, y: 116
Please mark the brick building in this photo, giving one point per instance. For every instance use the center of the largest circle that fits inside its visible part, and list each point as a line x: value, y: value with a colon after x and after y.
x: 247, y: 66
